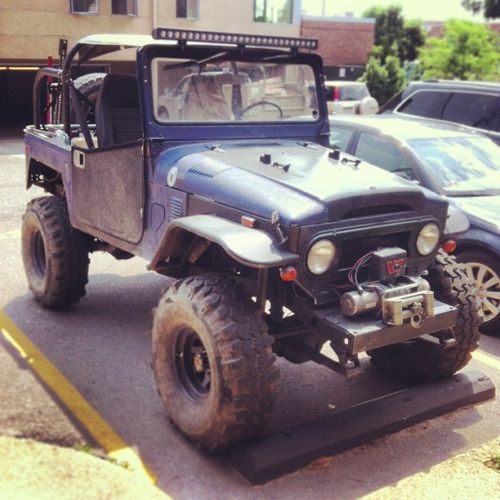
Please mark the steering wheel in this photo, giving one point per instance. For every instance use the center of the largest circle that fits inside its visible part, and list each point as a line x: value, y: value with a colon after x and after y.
x: 262, y: 103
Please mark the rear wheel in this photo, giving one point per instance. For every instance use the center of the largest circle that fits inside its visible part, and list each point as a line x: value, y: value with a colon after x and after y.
x: 55, y: 255
x: 484, y: 271
x: 213, y: 362
x: 421, y: 361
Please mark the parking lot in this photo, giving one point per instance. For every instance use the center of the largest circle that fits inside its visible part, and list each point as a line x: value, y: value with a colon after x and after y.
x: 102, y: 347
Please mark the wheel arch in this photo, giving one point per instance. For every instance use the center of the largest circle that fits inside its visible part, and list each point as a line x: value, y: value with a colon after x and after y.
x: 253, y: 248
x: 479, y: 240
x: 40, y: 174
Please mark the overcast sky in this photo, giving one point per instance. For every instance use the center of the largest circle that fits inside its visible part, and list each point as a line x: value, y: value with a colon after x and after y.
x: 427, y: 10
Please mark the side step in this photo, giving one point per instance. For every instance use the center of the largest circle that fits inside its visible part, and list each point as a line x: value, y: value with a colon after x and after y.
x: 287, y: 451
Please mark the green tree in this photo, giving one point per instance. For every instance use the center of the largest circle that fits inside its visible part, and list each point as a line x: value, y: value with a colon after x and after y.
x: 467, y: 51
x: 489, y: 8
x: 384, y: 80
x: 394, y: 35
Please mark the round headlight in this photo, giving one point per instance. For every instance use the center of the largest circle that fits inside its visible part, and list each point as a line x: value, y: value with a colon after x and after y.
x: 320, y: 256
x: 428, y: 238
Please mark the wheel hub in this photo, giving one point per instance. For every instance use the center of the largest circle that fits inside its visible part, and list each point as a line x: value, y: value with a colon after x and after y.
x: 488, y: 288
x: 192, y: 364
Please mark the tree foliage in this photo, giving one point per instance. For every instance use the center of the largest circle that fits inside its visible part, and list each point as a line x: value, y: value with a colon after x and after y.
x: 394, y: 36
x: 489, y: 8
x: 467, y: 51
x: 397, y: 42
x: 384, y: 80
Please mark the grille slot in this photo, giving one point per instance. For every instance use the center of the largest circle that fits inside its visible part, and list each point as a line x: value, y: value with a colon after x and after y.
x: 353, y: 249
x: 175, y: 209
x: 208, y: 168
x: 375, y: 210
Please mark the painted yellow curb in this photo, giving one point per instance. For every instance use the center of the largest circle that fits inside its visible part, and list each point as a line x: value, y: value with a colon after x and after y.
x: 98, y: 428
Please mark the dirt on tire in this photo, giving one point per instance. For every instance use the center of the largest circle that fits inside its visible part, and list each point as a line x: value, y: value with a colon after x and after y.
x: 55, y: 255
x: 235, y: 345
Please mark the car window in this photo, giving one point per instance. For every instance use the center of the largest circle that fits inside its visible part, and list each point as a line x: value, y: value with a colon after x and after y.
x: 460, y: 164
x: 353, y: 92
x: 425, y: 103
x: 384, y: 154
x: 475, y: 110
x: 340, y: 137
x: 220, y: 89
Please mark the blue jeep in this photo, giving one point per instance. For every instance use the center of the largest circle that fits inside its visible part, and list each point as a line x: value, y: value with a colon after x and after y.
x: 208, y: 156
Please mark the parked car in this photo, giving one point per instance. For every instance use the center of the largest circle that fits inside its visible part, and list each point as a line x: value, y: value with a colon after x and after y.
x: 475, y: 104
x: 345, y: 97
x: 462, y: 165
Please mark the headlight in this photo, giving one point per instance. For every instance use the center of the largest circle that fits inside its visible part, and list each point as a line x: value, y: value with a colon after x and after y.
x: 428, y: 238
x: 320, y: 256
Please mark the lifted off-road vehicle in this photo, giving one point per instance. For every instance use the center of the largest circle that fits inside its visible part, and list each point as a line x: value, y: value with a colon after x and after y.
x: 208, y: 156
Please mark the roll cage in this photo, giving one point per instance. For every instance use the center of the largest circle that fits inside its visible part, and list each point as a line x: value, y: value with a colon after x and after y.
x: 286, y: 50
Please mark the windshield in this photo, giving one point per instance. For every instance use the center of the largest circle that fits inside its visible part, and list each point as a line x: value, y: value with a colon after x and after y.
x: 218, y: 90
x: 353, y: 92
x: 461, y: 165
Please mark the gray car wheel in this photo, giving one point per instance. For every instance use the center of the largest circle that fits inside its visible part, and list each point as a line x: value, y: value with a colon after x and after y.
x: 484, y: 271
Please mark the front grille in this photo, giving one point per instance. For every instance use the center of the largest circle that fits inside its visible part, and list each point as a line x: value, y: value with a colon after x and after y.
x: 378, y: 210
x: 353, y: 249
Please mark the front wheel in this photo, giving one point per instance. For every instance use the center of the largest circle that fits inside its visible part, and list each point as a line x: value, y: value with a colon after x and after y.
x: 55, y: 255
x: 212, y: 361
x: 419, y: 360
x: 484, y: 271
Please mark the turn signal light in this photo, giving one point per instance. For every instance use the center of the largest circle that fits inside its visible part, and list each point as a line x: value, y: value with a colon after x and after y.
x: 449, y: 246
x: 288, y: 273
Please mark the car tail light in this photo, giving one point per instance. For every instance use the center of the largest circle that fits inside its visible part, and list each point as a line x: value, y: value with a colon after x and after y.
x: 336, y: 94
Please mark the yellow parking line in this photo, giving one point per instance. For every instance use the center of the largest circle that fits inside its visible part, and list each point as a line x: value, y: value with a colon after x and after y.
x: 102, y: 432
x: 487, y: 360
x: 10, y: 235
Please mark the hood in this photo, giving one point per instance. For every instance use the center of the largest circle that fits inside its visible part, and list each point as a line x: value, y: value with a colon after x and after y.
x: 484, y: 211
x: 301, y: 182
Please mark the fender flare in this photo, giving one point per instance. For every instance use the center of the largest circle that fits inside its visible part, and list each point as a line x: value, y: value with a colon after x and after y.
x: 251, y: 247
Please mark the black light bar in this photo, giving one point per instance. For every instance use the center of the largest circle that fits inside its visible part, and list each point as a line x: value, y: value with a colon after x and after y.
x: 234, y: 38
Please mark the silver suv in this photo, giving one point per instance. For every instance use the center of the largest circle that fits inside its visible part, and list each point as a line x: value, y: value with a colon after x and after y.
x: 474, y: 104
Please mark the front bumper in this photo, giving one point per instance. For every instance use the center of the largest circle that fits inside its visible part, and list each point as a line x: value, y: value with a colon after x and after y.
x: 363, y: 333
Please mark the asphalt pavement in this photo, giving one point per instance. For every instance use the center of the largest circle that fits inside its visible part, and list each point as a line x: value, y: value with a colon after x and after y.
x: 78, y: 384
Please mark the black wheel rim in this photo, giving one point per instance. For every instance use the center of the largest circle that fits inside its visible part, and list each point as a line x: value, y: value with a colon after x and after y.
x: 38, y: 253
x: 192, y: 364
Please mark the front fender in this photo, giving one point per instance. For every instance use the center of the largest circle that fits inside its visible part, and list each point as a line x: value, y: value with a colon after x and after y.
x: 478, y: 238
x: 250, y: 247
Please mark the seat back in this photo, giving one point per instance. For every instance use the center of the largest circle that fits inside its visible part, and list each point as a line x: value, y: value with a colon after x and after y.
x: 118, y: 118
x: 204, y: 100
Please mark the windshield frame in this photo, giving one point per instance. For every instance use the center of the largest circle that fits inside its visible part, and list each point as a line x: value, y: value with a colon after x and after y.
x: 178, y: 131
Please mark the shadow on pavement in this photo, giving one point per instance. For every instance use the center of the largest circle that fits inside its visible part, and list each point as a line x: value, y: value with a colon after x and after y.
x: 102, y: 345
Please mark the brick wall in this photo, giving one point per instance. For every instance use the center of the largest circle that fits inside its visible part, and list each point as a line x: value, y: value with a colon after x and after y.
x: 342, y: 41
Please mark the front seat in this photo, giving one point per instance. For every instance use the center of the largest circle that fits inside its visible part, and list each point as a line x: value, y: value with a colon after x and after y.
x: 118, y: 118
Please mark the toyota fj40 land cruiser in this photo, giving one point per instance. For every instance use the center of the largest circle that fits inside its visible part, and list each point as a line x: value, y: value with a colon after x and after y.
x: 211, y: 161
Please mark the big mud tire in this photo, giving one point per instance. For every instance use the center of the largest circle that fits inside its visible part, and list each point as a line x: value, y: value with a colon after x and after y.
x: 418, y: 360
x: 213, y: 362
x: 55, y: 255
x: 88, y: 86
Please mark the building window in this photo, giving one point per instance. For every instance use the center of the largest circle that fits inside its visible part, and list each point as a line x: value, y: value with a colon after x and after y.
x: 187, y: 8
x: 273, y: 11
x: 84, y: 6
x: 124, y: 7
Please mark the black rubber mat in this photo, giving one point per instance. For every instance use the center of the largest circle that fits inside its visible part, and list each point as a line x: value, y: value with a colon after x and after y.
x: 287, y: 451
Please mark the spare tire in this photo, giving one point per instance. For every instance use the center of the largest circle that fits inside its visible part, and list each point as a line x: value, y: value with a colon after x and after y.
x: 88, y: 87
